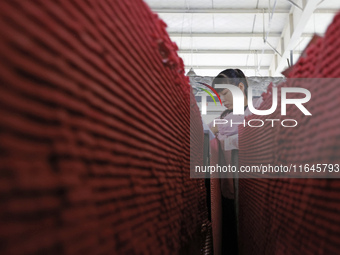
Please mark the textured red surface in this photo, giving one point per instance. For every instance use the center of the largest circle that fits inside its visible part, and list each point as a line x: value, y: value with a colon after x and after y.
x: 216, y: 199
x: 296, y: 216
x: 94, y: 130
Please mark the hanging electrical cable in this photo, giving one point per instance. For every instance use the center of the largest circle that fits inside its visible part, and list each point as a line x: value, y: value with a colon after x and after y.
x: 266, y: 37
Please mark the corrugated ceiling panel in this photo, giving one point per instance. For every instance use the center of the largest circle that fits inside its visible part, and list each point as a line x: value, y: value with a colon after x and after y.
x: 225, y: 59
x: 207, y: 43
x: 214, y: 72
x: 319, y: 22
